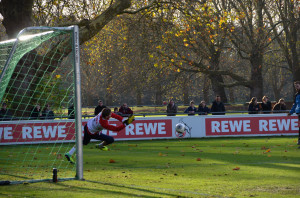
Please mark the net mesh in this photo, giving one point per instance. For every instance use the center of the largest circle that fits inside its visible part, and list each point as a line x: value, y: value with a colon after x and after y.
x: 37, y: 116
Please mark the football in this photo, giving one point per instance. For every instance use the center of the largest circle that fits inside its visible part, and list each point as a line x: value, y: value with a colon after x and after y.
x: 180, y: 128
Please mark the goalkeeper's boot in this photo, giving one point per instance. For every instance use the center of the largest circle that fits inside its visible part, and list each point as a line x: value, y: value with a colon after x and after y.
x: 70, y: 158
x: 101, y: 147
x: 130, y: 119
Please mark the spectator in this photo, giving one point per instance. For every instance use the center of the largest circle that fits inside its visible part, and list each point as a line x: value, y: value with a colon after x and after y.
x: 99, y: 108
x: 218, y: 106
x: 47, y: 113
x: 191, y: 110
x: 125, y: 110
x: 36, y: 112
x: 203, y: 109
x: 266, y: 105
x: 116, y: 111
x: 71, y: 112
x: 171, y: 108
x: 253, y: 107
x: 296, y: 106
x: 5, y: 114
x: 279, y: 107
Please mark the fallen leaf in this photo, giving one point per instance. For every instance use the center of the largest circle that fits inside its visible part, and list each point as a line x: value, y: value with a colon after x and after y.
x: 59, y: 156
x: 236, y: 168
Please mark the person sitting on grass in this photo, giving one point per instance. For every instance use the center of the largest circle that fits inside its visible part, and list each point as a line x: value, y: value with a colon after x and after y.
x: 93, y: 130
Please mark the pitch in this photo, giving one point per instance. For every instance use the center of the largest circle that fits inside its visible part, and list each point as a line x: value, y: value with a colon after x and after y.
x: 223, y: 167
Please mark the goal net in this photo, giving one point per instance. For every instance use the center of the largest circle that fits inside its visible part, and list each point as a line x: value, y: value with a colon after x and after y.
x: 40, y: 117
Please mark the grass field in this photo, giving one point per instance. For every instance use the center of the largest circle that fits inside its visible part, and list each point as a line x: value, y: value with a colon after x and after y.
x: 226, y: 167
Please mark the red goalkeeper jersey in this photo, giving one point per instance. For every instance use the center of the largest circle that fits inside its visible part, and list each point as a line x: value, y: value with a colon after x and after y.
x: 97, y: 124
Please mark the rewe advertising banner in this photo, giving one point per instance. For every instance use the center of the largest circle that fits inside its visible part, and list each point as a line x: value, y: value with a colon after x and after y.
x: 251, y: 126
x: 49, y: 131
x: 53, y: 131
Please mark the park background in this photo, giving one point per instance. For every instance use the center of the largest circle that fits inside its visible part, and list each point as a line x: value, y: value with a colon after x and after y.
x: 146, y: 52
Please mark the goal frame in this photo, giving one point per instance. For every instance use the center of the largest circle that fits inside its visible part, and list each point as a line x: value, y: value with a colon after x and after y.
x: 77, y: 94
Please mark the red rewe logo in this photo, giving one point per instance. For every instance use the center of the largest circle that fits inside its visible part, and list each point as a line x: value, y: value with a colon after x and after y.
x: 144, y: 128
x: 180, y: 135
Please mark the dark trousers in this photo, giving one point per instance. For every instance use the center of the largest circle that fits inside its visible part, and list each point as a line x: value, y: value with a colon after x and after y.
x: 97, y: 136
x: 299, y: 128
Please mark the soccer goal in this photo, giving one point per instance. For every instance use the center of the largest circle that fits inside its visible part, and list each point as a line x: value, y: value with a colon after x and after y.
x: 40, y: 118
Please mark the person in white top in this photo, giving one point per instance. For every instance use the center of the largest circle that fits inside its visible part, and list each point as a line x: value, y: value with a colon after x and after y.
x: 93, y: 130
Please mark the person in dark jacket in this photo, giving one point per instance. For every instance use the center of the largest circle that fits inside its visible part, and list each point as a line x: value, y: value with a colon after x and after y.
x: 218, y: 107
x: 203, y: 109
x: 191, y: 110
x: 36, y: 112
x: 5, y: 114
x: 99, y: 108
x: 266, y: 105
x: 296, y: 106
x: 125, y: 110
x: 171, y: 108
x: 279, y: 107
x: 71, y: 112
x: 47, y: 113
x: 253, y: 107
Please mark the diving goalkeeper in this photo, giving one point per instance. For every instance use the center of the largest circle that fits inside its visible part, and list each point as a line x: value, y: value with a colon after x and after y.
x: 93, y: 130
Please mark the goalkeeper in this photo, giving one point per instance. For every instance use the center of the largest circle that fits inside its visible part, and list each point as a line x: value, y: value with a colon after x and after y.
x: 93, y: 130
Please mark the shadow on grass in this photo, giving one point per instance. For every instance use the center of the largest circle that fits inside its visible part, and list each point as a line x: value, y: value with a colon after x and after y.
x: 141, y: 188
x: 119, y: 192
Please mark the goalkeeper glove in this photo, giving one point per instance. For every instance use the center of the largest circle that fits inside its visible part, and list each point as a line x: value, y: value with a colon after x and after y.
x: 129, y: 120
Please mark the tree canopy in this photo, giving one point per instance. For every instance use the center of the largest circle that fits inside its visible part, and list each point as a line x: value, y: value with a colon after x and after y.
x: 187, y: 50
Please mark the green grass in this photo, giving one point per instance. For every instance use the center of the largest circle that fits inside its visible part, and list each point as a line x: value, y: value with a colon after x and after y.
x: 266, y: 167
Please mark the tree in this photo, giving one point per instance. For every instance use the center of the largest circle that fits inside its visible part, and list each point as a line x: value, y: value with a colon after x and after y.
x: 10, y: 10
x: 196, y: 40
x: 284, y: 18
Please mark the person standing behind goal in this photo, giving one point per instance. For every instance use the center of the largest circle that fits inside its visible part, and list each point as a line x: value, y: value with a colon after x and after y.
x: 296, y: 106
x: 93, y: 130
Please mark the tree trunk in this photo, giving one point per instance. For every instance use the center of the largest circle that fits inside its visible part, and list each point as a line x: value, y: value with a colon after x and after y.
x: 256, y: 60
x: 217, y: 88
x: 231, y: 95
x: 17, y: 15
x: 139, y: 97
x: 108, y: 93
x: 217, y: 79
x: 158, y: 95
x: 206, y: 89
x: 185, y: 91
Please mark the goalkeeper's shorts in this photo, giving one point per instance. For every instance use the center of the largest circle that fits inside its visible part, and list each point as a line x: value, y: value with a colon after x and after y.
x: 97, y: 136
